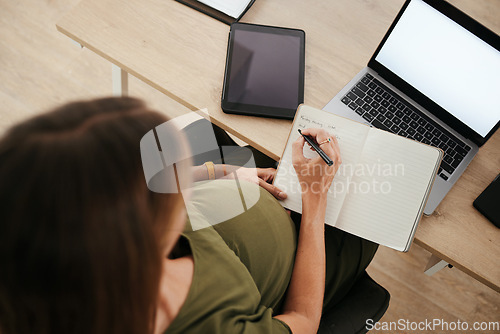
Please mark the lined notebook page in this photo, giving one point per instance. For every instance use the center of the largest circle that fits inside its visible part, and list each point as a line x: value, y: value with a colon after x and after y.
x: 392, y: 179
x: 233, y: 8
x: 351, y: 137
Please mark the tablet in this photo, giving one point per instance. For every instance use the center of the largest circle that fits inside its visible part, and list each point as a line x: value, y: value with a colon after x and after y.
x: 264, y: 73
x: 487, y: 202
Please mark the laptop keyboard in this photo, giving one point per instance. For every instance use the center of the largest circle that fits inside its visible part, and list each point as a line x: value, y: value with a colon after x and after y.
x: 386, y: 110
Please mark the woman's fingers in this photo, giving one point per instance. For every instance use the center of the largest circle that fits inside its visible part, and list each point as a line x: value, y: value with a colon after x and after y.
x: 334, y: 144
x: 326, y: 141
x: 297, y: 151
x: 275, y: 191
x: 266, y: 174
x: 318, y: 134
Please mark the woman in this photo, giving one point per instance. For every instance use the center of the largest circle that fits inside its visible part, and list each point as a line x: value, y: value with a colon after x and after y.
x: 85, y: 247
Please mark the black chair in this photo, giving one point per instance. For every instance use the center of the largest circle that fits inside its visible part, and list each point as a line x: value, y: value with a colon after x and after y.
x: 366, y: 300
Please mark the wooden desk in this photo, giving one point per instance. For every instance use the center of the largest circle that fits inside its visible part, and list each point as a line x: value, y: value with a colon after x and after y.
x: 182, y: 53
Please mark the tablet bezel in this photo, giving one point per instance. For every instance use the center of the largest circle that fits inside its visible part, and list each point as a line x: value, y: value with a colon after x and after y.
x: 262, y: 110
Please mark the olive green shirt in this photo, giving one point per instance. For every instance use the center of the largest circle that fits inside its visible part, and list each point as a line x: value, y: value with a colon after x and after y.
x: 243, y: 265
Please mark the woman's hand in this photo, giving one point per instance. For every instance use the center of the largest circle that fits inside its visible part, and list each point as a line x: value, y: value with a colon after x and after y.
x: 314, y: 175
x: 261, y: 176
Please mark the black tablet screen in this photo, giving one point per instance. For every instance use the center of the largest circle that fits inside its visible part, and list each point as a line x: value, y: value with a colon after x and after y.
x: 265, y: 69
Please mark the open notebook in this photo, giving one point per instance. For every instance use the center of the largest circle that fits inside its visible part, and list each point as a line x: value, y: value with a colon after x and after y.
x: 381, y: 188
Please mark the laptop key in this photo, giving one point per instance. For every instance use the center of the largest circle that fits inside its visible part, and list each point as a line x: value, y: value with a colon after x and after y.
x: 375, y: 104
x: 428, y: 135
x: 346, y: 100
x: 379, y: 90
x: 436, y: 132
x: 369, y: 76
x: 458, y: 157
x: 447, y: 168
x: 422, y: 122
x: 429, y: 127
x: 368, y: 99
x: 359, y: 111
x: 399, y: 113
x: 414, y: 117
x: 393, y: 100
x: 444, y: 138
x: 467, y: 148
x: 392, y: 108
x: 359, y: 102
x: 460, y: 150
x: 389, y: 115
x: 396, y: 120
x: 358, y: 92
x: 452, y: 142
x: 353, y: 105
x: 418, y: 136
x: 365, y: 80
x: 404, y: 126
x: 388, y: 123
x: 373, y: 112
x: 443, y: 175
x: 455, y: 163
x: 407, y: 111
x: 435, y: 141
x: 362, y: 86
x: 386, y: 95
x: 378, y: 98
x: 400, y: 106
x: 420, y: 130
x: 385, y: 103
x: 426, y: 141
x: 414, y: 124
x: 372, y: 85
x: 395, y: 128
x: 370, y: 93
x: 376, y: 123
x: 366, y: 107
x: 352, y: 96
x: 448, y: 159
x: 383, y: 110
x: 403, y: 133
x: 381, y: 118
x: 411, y: 131
x: 368, y: 117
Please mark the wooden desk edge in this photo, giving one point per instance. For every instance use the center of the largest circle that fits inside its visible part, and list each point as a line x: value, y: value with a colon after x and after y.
x: 469, y: 272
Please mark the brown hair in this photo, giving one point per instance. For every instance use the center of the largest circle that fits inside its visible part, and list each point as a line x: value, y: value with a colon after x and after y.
x: 80, y: 233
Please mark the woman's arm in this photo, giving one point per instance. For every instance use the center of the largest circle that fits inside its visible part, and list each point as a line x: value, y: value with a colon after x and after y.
x: 304, y: 301
x: 261, y: 176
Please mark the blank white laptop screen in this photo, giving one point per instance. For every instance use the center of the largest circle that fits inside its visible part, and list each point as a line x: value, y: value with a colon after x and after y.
x: 447, y: 63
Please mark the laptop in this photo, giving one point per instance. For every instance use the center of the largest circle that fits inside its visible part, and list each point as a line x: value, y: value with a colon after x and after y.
x: 434, y: 78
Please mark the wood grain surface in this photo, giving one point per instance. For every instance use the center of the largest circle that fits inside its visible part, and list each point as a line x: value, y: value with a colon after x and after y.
x: 40, y: 68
